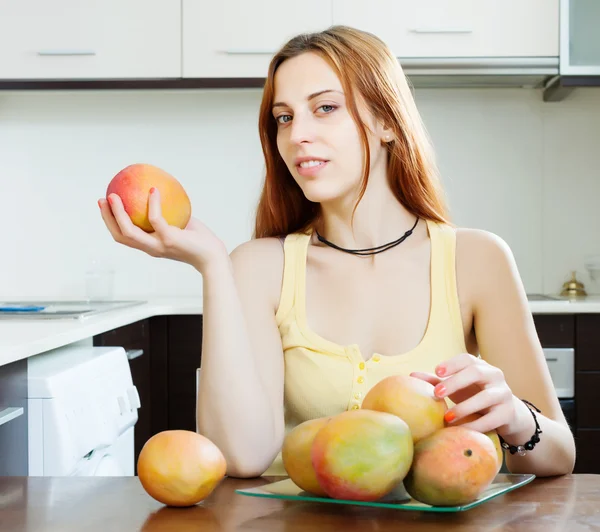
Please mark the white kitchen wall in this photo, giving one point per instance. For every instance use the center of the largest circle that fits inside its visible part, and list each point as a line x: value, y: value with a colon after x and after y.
x: 512, y: 164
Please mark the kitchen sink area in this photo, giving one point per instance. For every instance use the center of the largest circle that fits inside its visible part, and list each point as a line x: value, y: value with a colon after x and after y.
x: 47, y: 310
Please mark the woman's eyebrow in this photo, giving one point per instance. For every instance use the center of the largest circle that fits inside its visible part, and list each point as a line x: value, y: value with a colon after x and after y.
x: 310, y: 97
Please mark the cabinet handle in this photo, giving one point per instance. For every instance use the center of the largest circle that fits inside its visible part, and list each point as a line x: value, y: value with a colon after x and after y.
x: 8, y: 414
x: 66, y: 52
x: 440, y: 30
x: 552, y: 360
x: 134, y: 353
x: 247, y: 51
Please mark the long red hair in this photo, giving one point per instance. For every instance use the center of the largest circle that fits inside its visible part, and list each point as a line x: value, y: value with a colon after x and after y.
x: 365, y: 65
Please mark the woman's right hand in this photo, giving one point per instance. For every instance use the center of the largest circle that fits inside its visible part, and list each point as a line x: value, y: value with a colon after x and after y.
x: 196, y: 244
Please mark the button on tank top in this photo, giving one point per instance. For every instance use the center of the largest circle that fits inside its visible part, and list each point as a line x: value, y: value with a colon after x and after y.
x: 323, y: 378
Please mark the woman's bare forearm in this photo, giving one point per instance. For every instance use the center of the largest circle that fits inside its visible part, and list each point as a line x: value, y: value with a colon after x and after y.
x: 233, y: 408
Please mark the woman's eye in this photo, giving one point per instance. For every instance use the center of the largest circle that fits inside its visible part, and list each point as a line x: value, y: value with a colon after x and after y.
x: 278, y: 119
x: 330, y: 107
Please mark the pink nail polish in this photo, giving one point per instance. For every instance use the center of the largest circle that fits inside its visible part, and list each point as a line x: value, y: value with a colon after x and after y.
x: 441, y: 371
x: 440, y: 390
x: 152, y: 190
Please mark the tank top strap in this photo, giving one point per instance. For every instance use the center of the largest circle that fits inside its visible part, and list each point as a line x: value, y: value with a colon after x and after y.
x: 444, y: 288
x: 292, y: 257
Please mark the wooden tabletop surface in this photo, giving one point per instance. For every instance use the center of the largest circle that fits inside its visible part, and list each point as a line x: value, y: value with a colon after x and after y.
x: 107, y: 504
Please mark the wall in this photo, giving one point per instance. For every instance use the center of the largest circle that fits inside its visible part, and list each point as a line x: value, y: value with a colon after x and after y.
x: 512, y: 164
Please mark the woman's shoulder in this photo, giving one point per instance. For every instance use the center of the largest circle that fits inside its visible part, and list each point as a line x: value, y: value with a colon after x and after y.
x: 483, y: 260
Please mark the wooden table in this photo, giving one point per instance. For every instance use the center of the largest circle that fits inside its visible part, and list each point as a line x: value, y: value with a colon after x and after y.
x: 107, y: 504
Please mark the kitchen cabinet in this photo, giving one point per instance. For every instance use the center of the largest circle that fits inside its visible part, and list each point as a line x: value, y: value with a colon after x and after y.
x: 70, y: 39
x: 13, y: 419
x: 143, y: 353
x: 579, y: 37
x: 462, y: 28
x: 587, y: 392
x: 237, y: 38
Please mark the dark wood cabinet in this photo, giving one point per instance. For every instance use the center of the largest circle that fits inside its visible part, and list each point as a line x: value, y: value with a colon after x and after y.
x: 185, y: 346
x: 164, y: 354
x: 14, y: 456
x: 142, y: 353
x: 587, y: 392
x: 582, y: 332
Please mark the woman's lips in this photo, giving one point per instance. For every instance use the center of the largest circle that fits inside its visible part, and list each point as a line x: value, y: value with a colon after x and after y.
x: 311, y: 171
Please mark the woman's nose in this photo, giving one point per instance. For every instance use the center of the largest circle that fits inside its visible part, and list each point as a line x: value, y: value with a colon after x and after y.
x: 302, y: 130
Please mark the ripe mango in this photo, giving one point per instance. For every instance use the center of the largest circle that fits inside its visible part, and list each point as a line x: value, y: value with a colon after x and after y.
x: 180, y: 467
x: 133, y: 183
x: 451, y: 467
x: 362, y: 455
x: 412, y: 400
x: 296, y: 455
x: 492, y: 435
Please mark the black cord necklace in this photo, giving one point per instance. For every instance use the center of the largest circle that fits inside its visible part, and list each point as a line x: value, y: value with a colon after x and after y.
x: 370, y: 251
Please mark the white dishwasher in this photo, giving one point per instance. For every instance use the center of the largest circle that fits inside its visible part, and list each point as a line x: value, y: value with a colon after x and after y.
x: 82, y: 412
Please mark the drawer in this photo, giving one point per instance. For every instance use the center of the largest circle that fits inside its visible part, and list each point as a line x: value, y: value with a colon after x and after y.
x: 587, y: 443
x: 71, y: 39
x: 555, y: 330
x: 461, y: 28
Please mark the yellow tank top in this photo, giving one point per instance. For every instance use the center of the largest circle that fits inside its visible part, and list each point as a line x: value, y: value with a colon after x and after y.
x: 323, y: 378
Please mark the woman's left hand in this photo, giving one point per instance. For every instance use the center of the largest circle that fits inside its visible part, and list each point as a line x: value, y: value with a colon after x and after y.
x: 475, y: 387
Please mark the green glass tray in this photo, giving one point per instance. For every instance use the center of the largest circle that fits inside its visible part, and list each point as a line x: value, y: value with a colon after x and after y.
x: 397, y: 499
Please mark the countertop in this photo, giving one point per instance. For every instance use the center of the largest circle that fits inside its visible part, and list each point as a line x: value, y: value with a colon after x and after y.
x: 120, y: 504
x: 24, y: 338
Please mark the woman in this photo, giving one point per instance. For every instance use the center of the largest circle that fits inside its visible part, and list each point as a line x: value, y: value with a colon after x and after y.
x: 355, y: 273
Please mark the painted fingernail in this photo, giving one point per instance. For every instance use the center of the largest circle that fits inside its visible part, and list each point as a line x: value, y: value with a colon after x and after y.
x: 152, y: 190
x: 440, y: 390
x: 450, y: 416
x: 441, y: 371
x: 110, y: 200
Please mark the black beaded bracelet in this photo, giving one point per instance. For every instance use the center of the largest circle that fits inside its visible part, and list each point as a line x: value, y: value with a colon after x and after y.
x: 522, y: 449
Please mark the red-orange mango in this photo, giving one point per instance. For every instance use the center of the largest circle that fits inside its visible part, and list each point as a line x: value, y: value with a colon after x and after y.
x: 362, y: 455
x: 451, y: 467
x: 180, y: 467
x: 492, y: 435
x: 133, y: 183
x: 296, y: 455
x: 412, y: 400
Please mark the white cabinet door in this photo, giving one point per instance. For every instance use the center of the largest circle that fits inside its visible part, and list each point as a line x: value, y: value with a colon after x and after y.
x: 457, y: 28
x: 90, y: 39
x: 238, y: 38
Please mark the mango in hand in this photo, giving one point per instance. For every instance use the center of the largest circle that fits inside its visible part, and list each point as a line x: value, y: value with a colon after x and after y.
x: 133, y: 183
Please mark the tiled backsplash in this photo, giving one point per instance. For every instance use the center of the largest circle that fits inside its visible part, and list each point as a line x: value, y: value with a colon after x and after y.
x: 512, y: 164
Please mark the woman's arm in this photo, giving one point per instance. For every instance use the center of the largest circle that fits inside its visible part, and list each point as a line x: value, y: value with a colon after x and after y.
x: 240, y: 397
x: 508, y: 341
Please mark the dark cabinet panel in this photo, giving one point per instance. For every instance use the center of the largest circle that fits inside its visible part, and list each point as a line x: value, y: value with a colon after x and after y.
x: 588, y: 342
x: 587, y: 443
x: 185, y: 346
x: 587, y: 391
x: 14, y: 459
x: 135, y: 338
x: 555, y: 330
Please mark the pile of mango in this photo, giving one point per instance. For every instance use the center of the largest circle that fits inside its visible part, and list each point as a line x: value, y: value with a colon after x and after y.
x: 399, y: 435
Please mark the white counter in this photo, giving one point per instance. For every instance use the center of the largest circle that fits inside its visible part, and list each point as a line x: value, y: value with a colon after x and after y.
x: 24, y: 338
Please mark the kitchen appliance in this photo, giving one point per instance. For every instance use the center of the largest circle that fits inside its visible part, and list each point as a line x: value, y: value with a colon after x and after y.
x: 561, y: 363
x: 44, y: 310
x: 82, y: 412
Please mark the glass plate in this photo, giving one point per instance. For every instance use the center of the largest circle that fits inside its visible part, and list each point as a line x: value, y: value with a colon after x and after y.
x: 397, y: 499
